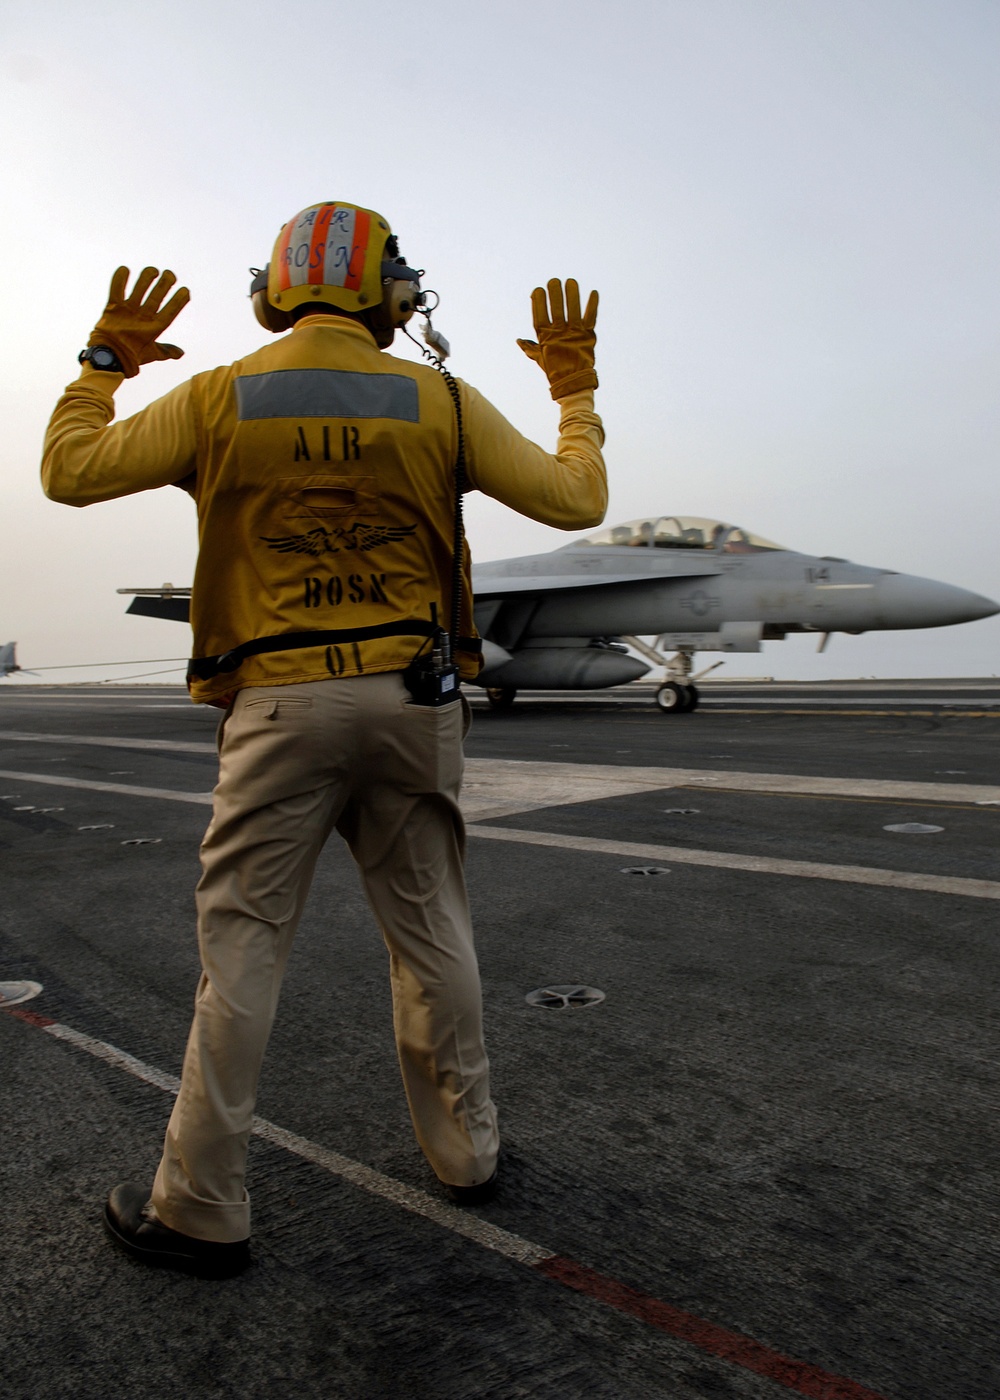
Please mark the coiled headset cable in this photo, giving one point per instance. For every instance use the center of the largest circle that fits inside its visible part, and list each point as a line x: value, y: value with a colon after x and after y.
x: 461, y: 485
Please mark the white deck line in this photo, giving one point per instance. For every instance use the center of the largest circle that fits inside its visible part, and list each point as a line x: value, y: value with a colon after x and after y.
x: 459, y: 1222
x: 550, y: 784
x: 89, y: 740
x: 201, y: 799
x: 711, y: 701
x: 491, y: 782
x: 762, y: 865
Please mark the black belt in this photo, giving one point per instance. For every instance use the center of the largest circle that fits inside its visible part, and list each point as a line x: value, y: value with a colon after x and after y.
x: 206, y: 668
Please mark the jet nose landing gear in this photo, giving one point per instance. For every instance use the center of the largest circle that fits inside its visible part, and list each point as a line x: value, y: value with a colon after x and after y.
x: 676, y: 699
x: 678, y: 695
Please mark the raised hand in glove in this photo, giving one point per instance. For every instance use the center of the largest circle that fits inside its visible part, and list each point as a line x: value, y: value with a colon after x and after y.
x: 566, y: 340
x: 130, y: 325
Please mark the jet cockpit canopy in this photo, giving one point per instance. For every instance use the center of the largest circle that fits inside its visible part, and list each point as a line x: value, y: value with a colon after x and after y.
x: 679, y: 532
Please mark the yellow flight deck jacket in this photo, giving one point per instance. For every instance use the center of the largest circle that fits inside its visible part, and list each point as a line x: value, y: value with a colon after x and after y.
x: 323, y: 472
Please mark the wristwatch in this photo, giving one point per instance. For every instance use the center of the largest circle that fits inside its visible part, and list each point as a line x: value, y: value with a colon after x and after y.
x: 101, y: 357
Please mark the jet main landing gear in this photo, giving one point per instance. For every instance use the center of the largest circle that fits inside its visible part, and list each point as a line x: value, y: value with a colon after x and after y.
x: 501, y: 697
x: 674, y: 698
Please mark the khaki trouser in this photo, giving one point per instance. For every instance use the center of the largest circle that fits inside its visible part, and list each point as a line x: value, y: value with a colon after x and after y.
x: 295, y: 761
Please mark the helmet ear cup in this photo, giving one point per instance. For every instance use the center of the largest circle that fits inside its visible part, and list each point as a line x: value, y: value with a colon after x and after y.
x: 270, y: 317
x: 400, y: 300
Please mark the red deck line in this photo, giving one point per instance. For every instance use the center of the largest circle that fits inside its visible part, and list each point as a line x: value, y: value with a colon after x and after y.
x: 798, y: 1376
x: 32, y: 1017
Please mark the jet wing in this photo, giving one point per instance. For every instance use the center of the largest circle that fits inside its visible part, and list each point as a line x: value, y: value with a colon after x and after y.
x: 519, y: 578
x: 487, y: 585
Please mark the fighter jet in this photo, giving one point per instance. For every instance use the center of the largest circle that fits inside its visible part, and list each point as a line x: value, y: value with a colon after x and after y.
x: 573, y: 618
x: 565, y: 620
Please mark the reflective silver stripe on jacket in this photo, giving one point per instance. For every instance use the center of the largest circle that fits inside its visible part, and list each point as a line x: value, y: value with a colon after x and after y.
x: 326, y: 393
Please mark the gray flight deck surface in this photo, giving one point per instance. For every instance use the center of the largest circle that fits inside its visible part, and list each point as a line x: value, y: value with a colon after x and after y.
x: 766, y: 1165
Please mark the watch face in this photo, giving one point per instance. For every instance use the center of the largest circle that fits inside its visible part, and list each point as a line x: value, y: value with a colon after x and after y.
x: 102, y: 358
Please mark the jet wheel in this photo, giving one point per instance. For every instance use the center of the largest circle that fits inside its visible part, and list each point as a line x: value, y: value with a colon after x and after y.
x: 674, y: 699
x: 501, y: 697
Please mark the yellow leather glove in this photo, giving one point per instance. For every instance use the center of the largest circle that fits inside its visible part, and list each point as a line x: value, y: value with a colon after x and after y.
x: 130, y: 326
x: 566, y: 340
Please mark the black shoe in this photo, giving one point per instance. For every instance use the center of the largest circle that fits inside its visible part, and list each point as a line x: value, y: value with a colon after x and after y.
x: 136, y: 1229
x: 479, y: 1195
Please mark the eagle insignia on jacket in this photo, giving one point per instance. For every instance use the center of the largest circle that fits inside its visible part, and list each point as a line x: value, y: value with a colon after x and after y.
x: 323, y: 541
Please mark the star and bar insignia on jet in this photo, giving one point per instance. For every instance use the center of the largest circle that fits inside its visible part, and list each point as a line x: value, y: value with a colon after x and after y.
x: 323, y: 541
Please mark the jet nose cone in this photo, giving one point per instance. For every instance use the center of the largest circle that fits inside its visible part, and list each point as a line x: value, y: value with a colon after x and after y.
x: 907, y: 601
x: 984, y: 607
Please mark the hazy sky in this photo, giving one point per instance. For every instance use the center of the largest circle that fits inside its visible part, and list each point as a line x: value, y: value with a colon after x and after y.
x: 791, y: 209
